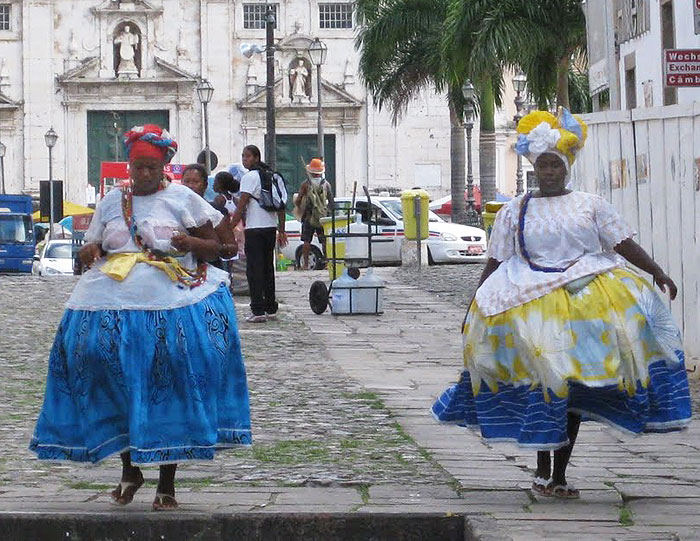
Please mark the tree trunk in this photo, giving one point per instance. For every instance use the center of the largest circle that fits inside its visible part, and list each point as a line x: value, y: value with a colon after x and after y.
x: 457, y: 185
x: 563, y: 82
x: 487, y: 143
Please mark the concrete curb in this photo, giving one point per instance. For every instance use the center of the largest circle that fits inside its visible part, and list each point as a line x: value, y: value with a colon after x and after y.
x: 41, y: 526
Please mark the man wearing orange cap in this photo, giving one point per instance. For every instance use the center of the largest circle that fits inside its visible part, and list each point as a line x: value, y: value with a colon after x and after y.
x: 312, y: 202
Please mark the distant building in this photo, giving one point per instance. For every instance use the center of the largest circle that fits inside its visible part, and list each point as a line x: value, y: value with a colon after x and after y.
x: 626, y: 43
x: 92, y: 69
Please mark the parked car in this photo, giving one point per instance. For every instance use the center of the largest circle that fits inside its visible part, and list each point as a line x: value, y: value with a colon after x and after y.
x: 447, y: 243
x: 56, y: 258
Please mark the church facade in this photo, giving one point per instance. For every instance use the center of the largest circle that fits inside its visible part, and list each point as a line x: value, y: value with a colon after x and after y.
x: 91, y: 69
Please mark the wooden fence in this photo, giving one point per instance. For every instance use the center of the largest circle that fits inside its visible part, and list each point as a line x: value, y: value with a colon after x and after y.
x: 646, y: 162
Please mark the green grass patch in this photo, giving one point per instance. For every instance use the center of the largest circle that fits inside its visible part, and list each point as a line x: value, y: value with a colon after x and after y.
x: 372, y: 399
x: 626, y: 517
x: 291, y: 452
x: 347, y: 444
x: 87, y: 485
x: 196, y: 482
x: 364, y: 493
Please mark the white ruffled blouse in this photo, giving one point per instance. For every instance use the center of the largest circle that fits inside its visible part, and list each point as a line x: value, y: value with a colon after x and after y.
x: 577, y: 230
x: 158, y: 216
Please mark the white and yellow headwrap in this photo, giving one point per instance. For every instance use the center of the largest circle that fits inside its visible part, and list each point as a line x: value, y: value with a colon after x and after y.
x: 543, y: 133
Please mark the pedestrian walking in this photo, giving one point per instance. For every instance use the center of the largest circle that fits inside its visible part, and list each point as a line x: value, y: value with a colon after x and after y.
x: 194, y: 176
x: 311, y: 204
x: 560, y: 330
x: 263, y: 201
x: 146, y: 362
x: 228, y: 189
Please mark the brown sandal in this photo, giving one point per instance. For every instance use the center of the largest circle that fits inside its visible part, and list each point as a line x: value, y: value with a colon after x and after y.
x: 164, y: 502
x: 126, y: 490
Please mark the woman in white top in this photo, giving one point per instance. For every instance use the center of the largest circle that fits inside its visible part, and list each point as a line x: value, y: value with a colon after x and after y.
x: 147, y: 359
x: 560, y: 329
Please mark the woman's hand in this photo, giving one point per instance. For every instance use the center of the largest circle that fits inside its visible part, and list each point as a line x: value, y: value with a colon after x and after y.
x: 90, y: 253
x: 182, y: 242
x: 282, y: 240
x: 663, y: 280
x: 229, y: 250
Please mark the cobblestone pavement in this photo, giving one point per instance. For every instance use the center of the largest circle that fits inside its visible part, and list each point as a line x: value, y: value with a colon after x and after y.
x: 341, y: 417
x: 312, y: 425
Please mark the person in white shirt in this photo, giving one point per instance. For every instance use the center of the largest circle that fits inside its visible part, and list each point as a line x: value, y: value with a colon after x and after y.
x: 263, y: 229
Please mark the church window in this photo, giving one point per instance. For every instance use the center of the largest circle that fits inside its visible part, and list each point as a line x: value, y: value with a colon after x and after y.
x: 335, y: 15
x: 254, y: 15
x: 5, y: 16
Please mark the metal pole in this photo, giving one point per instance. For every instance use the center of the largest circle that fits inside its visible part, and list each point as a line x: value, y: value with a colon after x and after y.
x: 321, y: 149
x: 472, y: 215
x: 271, y: 138
x: 51, y: 193
x: 519, y: 177
x: 207, y: 152
x: 519, y: 101
x: 416, y: 212
x: 2, y: 172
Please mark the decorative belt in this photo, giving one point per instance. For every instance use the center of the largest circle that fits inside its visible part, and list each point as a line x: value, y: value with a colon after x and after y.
x: 118, y: 267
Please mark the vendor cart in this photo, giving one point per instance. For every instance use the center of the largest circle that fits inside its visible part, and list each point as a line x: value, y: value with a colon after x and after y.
x: 349, y: 292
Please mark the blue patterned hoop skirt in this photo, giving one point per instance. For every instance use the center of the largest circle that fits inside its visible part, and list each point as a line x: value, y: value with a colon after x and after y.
x: 166, y: 385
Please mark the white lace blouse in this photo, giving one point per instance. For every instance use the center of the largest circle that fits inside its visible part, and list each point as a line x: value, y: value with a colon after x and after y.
x: 158, y: 216
x: 577, y: 230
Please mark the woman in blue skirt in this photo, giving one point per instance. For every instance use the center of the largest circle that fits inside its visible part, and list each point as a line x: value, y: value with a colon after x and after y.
x: 560, y: 329
x: 147, y: 359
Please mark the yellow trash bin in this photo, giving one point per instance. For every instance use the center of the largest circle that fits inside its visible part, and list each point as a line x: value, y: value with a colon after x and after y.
x: 342, y: 221
x: 489, y: 215
x: 410, y: 226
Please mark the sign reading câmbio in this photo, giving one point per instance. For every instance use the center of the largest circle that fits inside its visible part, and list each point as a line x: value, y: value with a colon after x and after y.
x: 682, y: 67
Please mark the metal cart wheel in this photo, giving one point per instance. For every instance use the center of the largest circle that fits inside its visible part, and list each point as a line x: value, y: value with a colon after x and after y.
x: 318, y: 297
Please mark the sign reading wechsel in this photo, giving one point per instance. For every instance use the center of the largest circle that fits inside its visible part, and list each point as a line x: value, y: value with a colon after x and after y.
x: 682, y: 67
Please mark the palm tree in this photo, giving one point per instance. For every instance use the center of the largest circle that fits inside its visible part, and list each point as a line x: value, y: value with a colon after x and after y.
x: 399, y: 42
x: 482, y: 38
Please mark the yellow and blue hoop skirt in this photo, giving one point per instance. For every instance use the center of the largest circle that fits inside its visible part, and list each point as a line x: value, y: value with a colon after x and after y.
x: 610, y: 352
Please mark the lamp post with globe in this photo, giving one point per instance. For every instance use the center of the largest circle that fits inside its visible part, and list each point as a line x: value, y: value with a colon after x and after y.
x: 472, y: 216
x: 519, y: 83
x: 317, y: 52
x: 205, y: 91
x: 50, y: 138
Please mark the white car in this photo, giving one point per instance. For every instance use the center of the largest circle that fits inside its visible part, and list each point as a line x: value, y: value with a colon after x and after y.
x: 56, y: 258
x: 447, y: 243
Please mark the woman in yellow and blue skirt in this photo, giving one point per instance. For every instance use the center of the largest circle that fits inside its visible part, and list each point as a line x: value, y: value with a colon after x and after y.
x: 560, y: 330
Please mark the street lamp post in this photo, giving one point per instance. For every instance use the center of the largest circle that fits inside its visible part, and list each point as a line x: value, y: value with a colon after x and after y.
x: 317, y: 52
x: 472, y: 216
x: 271, y: 138
x: 3, y: 148
x: 50, y: 138
x: 205, y: 91
x: 519, y: 82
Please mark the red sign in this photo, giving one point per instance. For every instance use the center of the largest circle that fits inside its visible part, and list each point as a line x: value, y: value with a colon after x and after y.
x: 113, y: 174
x: 682, y: 67
x: 81, y: 222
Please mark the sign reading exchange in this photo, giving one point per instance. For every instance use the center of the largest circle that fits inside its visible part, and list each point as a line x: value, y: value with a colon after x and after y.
x: 682, y: 67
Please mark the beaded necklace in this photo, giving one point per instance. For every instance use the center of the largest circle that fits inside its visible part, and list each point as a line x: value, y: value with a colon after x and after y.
x: 521, y: 239
x: 191, y: 279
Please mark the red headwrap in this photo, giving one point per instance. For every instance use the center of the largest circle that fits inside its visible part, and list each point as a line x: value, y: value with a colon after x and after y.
x: 149, y: 141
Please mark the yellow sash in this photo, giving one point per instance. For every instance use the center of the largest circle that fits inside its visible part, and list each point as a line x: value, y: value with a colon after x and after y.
x: 118, y: 266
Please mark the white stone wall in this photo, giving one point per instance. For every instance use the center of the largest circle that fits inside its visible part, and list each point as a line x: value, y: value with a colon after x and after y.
x: 649, y: 55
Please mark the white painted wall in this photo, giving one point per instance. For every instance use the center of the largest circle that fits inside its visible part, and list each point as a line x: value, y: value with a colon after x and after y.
x: 659, y: 192
x: 649, y: 54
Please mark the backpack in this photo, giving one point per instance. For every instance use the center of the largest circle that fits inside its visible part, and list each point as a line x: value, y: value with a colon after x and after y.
x: 273, y: 191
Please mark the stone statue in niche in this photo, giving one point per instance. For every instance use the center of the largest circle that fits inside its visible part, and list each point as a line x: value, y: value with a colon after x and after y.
x: 299, y: 79
x: 126, y: 53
